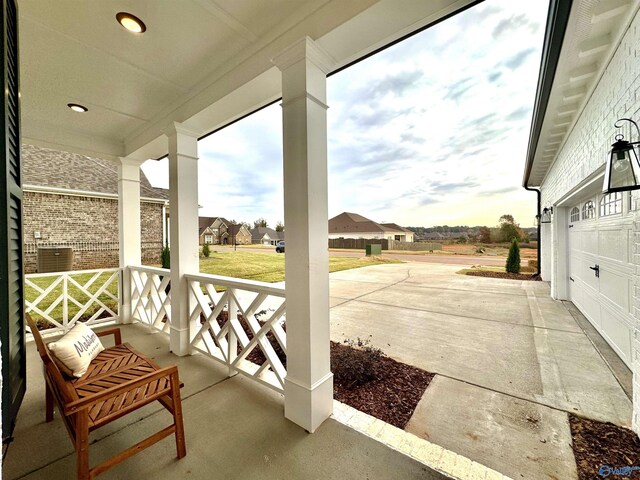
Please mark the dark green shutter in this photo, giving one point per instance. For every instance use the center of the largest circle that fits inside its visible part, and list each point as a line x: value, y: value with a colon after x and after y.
x: 12, y: 333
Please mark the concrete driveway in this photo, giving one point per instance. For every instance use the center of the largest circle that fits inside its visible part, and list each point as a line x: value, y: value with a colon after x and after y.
x: 510, y: 362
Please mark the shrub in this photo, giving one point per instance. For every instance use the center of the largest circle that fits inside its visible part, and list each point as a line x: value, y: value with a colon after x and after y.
x: 480, y: 250
x: 533, y: 263
x: 205, y: 250
x: 513, y: 260
x: 356, y: 363
x: 165, y: 257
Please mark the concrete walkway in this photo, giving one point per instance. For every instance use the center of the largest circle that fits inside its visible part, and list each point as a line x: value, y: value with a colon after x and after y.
x: 510, y: 362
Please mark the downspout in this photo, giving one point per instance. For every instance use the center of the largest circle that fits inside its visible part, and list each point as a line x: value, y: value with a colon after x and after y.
x: 539, y: 216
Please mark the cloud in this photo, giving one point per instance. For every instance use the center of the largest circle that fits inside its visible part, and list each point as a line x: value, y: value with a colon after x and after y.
x: 492, y: 77
x: 518, y: 59
x: 457, y: 90
x: 519, y: 114
x: 450, y: 187
x: 510, y: 24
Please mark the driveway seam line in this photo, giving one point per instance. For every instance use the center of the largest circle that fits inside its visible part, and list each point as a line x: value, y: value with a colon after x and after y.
x: 537, y: 402
x: 413, y: 309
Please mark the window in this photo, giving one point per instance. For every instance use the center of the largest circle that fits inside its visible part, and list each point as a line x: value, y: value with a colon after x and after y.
x: 208, y: 239
x: 588, y: 210
x: 611, y: 204
x: 574, y: 216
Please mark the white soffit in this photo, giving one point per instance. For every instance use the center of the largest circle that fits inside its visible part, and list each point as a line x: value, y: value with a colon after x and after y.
x: 200, y: 62
x: 593, y: 33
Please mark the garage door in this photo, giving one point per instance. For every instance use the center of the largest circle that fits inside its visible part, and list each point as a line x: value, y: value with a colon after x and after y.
x: 600, y: 266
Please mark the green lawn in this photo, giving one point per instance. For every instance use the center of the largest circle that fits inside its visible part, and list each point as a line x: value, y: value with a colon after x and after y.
x: 267, y: 267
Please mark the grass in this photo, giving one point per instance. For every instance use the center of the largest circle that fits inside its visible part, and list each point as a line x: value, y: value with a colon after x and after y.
x: 32, y: 294
x: 267, y: 267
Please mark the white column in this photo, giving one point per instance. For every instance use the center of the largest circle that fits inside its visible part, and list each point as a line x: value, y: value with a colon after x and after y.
x: 183, y: 209
x: 309, y: 381
x: 130, y: 244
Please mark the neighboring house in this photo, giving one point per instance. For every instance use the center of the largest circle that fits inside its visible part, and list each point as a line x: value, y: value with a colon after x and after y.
x: 588, y: 80
x: 71, y: 200
x: 220, y: 231
x: 239, y: 235
x: 352, y: 225
x: 266, y: 236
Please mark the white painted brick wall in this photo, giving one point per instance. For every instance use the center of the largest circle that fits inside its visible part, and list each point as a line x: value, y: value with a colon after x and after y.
x: 586, y: 149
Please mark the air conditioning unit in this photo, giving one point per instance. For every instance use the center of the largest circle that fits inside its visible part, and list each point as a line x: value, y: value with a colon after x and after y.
x: 55, y: 259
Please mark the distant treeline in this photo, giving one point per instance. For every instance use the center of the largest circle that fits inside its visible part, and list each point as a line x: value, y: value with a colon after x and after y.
x: 443, y: 229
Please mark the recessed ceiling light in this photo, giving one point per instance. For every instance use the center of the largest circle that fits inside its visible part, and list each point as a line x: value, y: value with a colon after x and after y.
x: 76, y: 107
x: 131, y: 22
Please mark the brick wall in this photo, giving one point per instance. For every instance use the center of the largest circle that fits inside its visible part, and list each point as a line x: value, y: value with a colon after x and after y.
x: 586, y: 149
x: 88, y: 225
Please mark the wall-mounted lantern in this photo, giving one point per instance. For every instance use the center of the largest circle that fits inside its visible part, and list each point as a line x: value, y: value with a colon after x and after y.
x: 623, y: 168
x: 546, y: 215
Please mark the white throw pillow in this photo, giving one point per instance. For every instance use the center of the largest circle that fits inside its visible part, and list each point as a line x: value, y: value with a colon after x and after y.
x: 77, y: 348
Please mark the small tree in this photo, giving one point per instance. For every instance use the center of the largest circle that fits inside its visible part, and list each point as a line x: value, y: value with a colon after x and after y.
x: 165, y: 256
x: 205, y: 250
x: 513, y: 260
x: 279, y: 227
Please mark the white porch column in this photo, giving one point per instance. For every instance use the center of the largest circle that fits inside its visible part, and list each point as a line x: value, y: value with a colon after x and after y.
x: 309, y: 381
x: 183, y: 211
x: 129, y: 228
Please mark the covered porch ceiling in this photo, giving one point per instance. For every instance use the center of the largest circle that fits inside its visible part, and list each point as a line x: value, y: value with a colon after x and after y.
x: 202, y: 63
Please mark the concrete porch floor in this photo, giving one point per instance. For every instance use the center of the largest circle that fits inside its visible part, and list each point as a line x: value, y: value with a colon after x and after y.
x: 234, y: 429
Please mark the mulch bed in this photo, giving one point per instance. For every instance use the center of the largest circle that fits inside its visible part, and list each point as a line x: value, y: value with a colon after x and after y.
x: 604, y: 449
x: 392, y: 397
x: 507, y: 275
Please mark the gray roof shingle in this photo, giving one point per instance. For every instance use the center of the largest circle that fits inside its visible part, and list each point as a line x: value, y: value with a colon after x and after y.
x: 44, y: 167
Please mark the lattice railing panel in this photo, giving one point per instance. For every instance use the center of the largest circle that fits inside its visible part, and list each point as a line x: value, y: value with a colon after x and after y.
x: 240, y: 323
x: 56, y: 301
x: 151, y: 296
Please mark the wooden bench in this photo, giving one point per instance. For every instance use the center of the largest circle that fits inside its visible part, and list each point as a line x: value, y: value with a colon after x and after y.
x: 119, y: 380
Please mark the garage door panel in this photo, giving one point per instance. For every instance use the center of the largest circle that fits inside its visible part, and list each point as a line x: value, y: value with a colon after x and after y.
x: 589, y: 303
x: 617, y: 332
x: 589, y: 242
x: 614, y: 244
x: 587, y: 276
x: 615, y: 287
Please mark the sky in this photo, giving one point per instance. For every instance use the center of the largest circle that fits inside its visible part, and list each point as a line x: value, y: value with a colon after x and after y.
x: 432, y: 131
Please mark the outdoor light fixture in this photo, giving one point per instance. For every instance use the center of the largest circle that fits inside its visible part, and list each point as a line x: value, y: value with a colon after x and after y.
x: 546, y: 215
x: 623, y: 167
x: 131, y: 22
x: 76, y: 107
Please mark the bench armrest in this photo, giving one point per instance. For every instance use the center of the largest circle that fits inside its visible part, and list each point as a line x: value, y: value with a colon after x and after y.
x: 117, y: 336
x: 74, y: 407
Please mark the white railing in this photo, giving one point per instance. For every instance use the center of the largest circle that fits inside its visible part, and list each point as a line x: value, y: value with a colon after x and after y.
x: 58, y: 300
x: 151, y: 296
x: 240, y: 323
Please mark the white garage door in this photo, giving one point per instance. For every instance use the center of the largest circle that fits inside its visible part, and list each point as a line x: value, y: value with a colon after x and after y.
x: 600, y: 242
